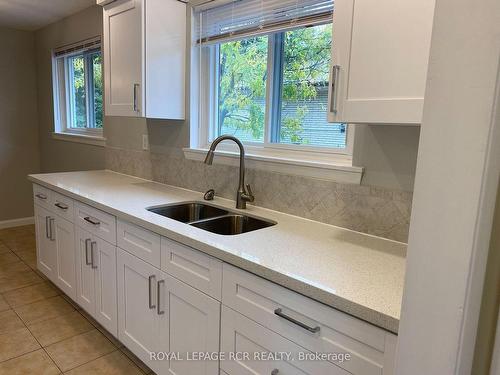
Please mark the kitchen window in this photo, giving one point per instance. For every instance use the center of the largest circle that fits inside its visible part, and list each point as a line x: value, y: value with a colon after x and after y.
x: 263, y: 69
x: 78, y: 92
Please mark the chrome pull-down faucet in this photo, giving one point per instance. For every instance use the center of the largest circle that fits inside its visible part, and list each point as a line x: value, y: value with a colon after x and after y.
x: 244, y: 193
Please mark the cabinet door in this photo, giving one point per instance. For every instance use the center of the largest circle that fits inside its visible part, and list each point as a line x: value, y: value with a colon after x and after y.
x: 65, y: 250
x: 104, y: 263
x: 123, y: 58
x: 165, y: 56
x: 251, y: 342
x: 190, y: 322
x: 85, y: 280
x: 381, y: 50
x: 138, y: 321
x: 45, y: 245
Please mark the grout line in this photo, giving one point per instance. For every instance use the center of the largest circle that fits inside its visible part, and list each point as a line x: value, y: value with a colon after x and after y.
x: 34, y: 337
x: 95, y: 359
x: 95, y: 326
x: 38, y: 342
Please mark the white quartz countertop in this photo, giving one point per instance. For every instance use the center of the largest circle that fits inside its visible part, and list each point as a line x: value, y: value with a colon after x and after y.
x: 356, y: 273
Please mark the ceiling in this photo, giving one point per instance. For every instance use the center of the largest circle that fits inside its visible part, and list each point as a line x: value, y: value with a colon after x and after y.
x: 34, y: 14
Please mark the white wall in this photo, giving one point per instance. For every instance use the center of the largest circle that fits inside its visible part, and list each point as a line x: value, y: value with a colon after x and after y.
x: 19, y: 154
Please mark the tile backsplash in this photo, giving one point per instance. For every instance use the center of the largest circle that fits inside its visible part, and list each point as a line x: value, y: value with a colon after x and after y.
x: 373, y: 210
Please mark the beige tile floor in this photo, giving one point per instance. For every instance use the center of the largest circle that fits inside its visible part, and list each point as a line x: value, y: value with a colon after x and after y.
x: 41, y: 330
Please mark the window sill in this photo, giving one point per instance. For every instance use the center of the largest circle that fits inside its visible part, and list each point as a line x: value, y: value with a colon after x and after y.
x: 80, y: 138
x: 326, y: 167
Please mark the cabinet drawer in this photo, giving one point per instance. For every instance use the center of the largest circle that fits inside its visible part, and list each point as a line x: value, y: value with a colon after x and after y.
x: 140, y: 242
x: 199, y: 270
x: 42, y: 196
x: 308, y: 323
x: 243, y: 336
x: 96, y: 222
x: 63, y: 206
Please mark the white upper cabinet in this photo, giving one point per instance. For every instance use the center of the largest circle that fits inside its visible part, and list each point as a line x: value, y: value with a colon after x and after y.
x: 379, y: 60
x: 144, y: 58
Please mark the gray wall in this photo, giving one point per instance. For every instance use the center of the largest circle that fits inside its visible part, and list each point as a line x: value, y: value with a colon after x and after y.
x: 19, y: 154
x: 57, y: 155
x: 388, y: 154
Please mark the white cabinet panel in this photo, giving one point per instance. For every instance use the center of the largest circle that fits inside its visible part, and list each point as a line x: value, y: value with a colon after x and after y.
x: 165, y: 59
x: 95, y: 221
x: 145, y: 58
x: 371, y: 348
x: 42, y: 196
x: 192, y: 266
x: 190, y: 323
x: 63, y: 206
x: 242, y: 335
x: 138, y: 321
x: 381, y: 50
x: 140, y: 242
x: 122, y: 45
x: 96, y: 279
x: 65, y: 250
x: 105, y: 285
x: 85, y: 280
x: 45, y: 242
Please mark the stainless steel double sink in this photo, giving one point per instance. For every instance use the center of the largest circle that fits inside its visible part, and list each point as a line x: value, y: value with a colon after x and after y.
x: 211, y: 218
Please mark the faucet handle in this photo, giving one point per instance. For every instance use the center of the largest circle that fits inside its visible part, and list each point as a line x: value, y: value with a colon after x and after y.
x: 249, y: 193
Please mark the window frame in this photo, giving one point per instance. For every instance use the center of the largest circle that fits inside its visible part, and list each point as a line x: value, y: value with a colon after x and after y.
x: 209, y: 57
x: 62, y: 97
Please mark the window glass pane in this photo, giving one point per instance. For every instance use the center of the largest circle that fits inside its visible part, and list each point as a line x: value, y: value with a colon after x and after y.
x: 96, y: 59
x: 242, y: 88
x: 77, y: 92
x: 304, y: 89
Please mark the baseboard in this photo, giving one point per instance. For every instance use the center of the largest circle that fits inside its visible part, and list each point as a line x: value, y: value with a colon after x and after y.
x: 17, y: 222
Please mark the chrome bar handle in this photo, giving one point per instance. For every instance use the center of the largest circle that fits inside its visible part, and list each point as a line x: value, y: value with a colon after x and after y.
x: 47, y: 226
x: 52, y: 233
x: 275, y: 372
x: 93, y: 245
x: 158, y: 295
x: 41, y: 196
x: 280, y: 313
x: 87, y: 261
x: 62, y: 206
x: 335, y: 86
x: 136, y: 107
x: 91, y: 220
x: 151, y: 306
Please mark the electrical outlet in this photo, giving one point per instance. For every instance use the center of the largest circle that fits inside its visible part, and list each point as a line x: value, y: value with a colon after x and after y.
x: 145, y: 142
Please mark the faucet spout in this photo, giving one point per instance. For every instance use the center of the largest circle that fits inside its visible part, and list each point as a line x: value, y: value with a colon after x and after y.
x: 209, y: 159
x: 244, y: 194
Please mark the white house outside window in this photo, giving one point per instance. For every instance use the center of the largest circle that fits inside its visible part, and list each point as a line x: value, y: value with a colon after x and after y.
x: 264, y: 71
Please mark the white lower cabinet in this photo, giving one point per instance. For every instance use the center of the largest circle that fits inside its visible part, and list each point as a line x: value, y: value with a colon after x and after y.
x: 263, y: 352
x: 310, y: 324
x: 190, y: 324
x: 159, y: 313
x: 96, y: 279
x: 175, y: 314
x: 138, y: 321
x: 55, y: 242
x: 46, y: 257
x: 64, y: 233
